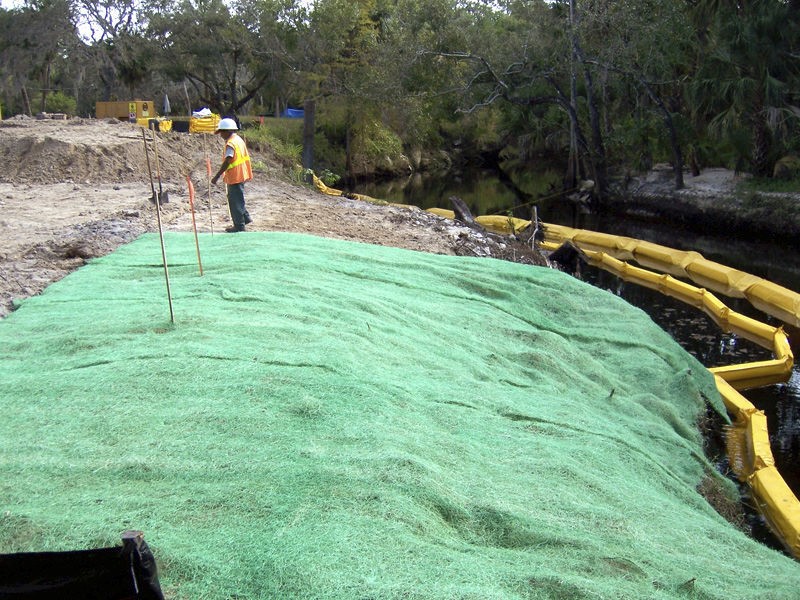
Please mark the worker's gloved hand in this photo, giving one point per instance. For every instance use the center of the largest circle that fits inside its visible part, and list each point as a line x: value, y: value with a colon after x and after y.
x: 214, y: 179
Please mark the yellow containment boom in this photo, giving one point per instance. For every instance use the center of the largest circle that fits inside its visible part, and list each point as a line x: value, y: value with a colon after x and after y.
x: 774, y: 300
x: 320, y: 185
x: 744, y: 376
x: 748, y: 438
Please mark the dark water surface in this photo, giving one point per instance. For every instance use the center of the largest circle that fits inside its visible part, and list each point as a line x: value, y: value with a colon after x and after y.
x: 702, y: 338
x: 485, y: 194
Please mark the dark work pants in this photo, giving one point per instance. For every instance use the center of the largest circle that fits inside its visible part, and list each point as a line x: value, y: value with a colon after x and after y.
x: 239, y: 213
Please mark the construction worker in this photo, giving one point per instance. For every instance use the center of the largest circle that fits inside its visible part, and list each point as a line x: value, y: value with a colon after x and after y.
x: 235, y: 170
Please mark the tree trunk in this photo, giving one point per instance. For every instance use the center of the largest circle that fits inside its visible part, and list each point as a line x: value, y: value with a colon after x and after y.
x: 572, y: 166
x: 348, y: 147
x: 26, y: 102
x: 309, y: 112
x: 581, y: 146
x: 677, y: 155
x: 188, y: 102
x: 761, y: 147
x: 45, y: 87
x: 597, y: 154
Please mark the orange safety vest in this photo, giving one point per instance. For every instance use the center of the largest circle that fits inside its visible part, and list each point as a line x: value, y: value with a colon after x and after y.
x: 240, y: 169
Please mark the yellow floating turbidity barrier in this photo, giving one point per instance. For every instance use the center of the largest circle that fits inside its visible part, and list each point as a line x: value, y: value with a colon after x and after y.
x: 748, y: 438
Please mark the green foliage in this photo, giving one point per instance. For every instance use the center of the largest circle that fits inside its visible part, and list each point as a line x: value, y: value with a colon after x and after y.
x: 228, y: 54
x: 37, y: 42
x: 422, y: 75
x: 327, y: 155
x: 747, y: 74
x: 634, y: 142
x: 478, y: 132
x: 700, y: 152
x: 752, y: 185
x: 373, y: 142
x: 328, y: 177
x: 60, y: 102
x: 286, y: 130
x: 260, y: 166
x: 283, y: 136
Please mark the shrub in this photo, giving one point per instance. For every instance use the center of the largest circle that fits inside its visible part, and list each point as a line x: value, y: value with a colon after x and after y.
x: 283, y: 136
x: 59, y: 102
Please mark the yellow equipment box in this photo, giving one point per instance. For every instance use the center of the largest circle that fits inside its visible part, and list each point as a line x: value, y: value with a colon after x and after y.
x: 126, y: 110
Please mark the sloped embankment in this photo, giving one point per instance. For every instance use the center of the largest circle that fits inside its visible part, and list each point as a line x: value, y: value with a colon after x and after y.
x: 715, y: 202
x: 328, y: 419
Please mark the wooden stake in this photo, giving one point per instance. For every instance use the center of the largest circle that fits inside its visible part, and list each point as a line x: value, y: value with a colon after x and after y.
x: 161, y: 237
x: 208, y: 181
x: 194, y: 224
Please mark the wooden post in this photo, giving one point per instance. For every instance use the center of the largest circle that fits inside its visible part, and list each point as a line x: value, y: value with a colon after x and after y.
x: 309, y: 110
x: 194, y: 224
x: 161, y: 233
x: 188, y: 102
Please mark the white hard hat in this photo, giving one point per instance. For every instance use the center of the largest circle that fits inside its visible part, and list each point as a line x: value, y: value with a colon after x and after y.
x: 227, y: 125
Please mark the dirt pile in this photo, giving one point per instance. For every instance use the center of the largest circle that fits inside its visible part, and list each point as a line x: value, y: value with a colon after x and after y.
x: 90, y: 151
x: 77, y: 189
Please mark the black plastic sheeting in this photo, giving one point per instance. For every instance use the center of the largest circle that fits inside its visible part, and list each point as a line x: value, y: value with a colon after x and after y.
x: 126, y: 572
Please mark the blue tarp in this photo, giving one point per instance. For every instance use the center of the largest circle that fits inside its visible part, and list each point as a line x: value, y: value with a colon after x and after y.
x: 293, y: 113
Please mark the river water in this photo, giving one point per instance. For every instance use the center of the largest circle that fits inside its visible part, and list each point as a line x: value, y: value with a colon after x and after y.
x: 485, y: 194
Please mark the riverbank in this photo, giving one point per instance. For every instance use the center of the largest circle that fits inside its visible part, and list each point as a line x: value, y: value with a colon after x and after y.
x: 716, y: 201
x: 76, y: 190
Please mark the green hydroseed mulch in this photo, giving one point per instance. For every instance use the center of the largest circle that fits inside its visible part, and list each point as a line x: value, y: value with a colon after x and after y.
x: 337, y: 420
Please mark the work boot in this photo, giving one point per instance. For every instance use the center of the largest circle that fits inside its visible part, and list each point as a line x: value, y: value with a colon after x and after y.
x: 234, y: 229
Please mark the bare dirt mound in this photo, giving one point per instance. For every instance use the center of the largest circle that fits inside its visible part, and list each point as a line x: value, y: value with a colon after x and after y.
x: 90, y: 151
x: 76, y: 189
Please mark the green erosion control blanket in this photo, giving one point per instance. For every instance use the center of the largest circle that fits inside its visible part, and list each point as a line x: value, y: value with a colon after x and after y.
x: 329, y: 419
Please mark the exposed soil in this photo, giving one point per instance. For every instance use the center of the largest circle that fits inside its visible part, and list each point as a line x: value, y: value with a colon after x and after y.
x: 77, y: 189
x: 713, y: 203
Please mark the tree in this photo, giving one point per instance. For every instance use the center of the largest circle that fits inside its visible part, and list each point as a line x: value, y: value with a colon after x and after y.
x: 223, y: 58
x: 640, y: 49
x: 103, y: 20
x: 748, y: 73
x: 279, y: 26
x: 531, y: 61
x: 115, y: 59
x: 598, y: 61
x: 340, y: 43
x: 35, y: 38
